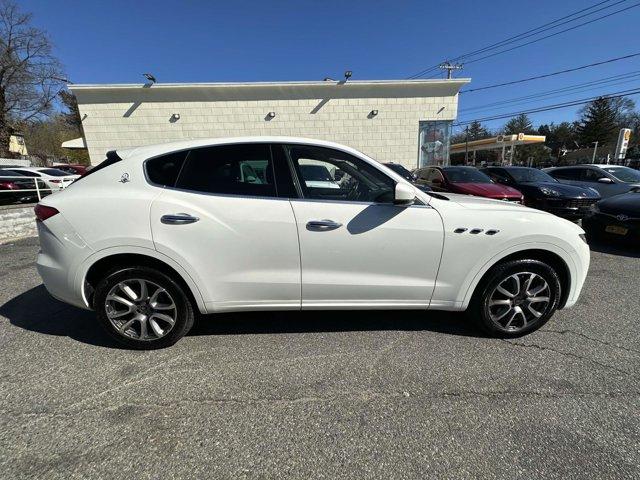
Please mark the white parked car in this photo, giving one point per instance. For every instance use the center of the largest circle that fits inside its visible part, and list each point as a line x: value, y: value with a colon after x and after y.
x: 54, y: 178
x: 155, y: 233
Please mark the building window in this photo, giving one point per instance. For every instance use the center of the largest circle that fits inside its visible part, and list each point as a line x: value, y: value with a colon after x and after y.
x: 434, y: 140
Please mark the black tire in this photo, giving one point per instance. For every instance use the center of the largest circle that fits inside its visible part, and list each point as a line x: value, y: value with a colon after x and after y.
x: 183, y: 311
x: 481, y: 312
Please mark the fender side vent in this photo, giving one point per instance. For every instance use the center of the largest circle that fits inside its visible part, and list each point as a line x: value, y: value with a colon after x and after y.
x: 460, y: 230
x: 491, y: 232
x: 475, y: 231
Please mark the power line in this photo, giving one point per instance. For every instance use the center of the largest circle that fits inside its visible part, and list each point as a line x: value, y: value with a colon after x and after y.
x: 552, y: 74
x: 554, y: 34
x: 537, y: 30
x: 556, y: 106
x: 542, y: 28
x: 614, y: 80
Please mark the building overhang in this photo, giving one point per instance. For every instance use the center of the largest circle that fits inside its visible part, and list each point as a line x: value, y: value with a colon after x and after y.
x: 171, y: 92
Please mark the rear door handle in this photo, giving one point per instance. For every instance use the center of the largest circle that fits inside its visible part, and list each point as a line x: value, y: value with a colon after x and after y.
x: 178, y: 219
x: 322, y: 225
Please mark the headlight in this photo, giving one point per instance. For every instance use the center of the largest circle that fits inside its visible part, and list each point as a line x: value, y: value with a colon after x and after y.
x: 594, y: 208
x: 583, y: 237
x: 549, y: 192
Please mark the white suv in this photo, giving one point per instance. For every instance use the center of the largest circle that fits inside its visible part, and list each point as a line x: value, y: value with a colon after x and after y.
x: 154, y: 234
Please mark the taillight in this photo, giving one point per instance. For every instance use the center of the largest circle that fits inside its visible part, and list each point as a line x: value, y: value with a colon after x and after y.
x: 43, y: 212
x: 55, y: 181
x: 9, y: 186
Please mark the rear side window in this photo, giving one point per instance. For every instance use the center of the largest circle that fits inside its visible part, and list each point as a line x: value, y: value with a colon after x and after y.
x: 164, y: 170
x: 244, y: 169
x: 112, y: 157
x: 566, y: 173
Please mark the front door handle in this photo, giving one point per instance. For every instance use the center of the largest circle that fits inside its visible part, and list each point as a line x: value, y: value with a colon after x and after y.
x: 178, y: 219
x: 322, y: 225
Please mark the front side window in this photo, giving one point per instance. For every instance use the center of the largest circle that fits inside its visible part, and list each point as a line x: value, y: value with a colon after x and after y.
x: 530, y: 175
x: 624, y: 174
x: 243, y: 169
x: 592, y: 175
x: 327, y: 174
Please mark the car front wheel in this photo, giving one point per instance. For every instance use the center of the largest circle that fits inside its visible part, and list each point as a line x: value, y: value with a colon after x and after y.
x: 142, y: 308
x: 516, y: 298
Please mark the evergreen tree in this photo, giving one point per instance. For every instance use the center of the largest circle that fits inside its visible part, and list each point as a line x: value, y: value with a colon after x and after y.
x: 519, y: 124
x: 598, y: 122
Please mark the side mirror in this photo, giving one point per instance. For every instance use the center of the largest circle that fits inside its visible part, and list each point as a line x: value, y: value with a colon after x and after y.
x: 635, y: 189
x: 404, y: 195
x: 605, y: 180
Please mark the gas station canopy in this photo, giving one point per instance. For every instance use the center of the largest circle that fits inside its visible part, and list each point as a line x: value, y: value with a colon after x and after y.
x: 499, y: 142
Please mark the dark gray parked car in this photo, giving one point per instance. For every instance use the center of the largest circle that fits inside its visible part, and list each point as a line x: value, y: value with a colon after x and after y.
x: 608, y: 180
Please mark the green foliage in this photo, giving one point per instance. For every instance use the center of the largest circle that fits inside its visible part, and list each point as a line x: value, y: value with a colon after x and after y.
x: 599, y: 122
x: 519, y: 124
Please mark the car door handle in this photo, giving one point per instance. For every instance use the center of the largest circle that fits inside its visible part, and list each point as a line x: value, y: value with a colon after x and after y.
x: 178, y: 219
x: 322, y: 225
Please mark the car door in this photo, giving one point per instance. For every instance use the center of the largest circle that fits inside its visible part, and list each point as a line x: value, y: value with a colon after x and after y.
x: 225, y: 220
x: 357, y: 248
x: 571, y: 176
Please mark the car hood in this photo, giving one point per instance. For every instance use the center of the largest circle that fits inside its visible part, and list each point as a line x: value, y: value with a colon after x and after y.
x: 492, y: 190
x: 483, y: 203
x: 565, y: 190
x: 624, y: 204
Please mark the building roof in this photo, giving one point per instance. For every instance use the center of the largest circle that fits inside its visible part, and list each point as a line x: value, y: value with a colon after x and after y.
x: 107, y: 93
x: 76, y: 143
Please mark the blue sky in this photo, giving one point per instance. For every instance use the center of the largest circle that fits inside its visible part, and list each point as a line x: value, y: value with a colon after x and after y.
x: 201, y: 41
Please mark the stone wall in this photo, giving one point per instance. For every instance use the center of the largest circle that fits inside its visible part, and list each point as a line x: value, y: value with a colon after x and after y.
x: 17, y: 221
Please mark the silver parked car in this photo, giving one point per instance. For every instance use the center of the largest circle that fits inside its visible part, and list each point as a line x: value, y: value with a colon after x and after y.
x: 608, y: 180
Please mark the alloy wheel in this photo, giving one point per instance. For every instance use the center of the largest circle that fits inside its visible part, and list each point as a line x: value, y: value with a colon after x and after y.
x: 140, y: 309
x: 519, y: 300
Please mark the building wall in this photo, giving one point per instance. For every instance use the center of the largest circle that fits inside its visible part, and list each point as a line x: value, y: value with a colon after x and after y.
x: 17, y: 221
x: 128, y: 118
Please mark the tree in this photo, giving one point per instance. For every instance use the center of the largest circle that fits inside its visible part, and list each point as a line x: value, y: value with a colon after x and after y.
x: 519, y: 124
x: 560, y: 136
x: 598, y: 122
x: 30, y: 76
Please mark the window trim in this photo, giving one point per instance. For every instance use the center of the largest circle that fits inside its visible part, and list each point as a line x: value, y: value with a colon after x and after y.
x: 211, y: 194
x: 297, y: 179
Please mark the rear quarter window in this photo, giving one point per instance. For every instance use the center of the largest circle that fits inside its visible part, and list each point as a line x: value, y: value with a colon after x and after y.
x: 164, y: 170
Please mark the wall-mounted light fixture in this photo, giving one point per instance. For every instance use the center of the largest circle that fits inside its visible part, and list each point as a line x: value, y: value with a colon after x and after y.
x: 373, y: 113
x: 271, y: 114
x: 149, y: 77
x: 174, y: 117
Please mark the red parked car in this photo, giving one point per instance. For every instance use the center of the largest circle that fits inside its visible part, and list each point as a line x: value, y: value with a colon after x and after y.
x: 466, y: 180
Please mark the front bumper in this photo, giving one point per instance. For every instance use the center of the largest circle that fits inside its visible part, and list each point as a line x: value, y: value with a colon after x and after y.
x: 569, y: 208
x: 604, y: 224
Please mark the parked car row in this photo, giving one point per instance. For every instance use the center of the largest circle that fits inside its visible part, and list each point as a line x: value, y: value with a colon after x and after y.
x: 28, y: 184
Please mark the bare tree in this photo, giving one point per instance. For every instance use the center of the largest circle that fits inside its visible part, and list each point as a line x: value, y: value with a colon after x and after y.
x: 30, y: 76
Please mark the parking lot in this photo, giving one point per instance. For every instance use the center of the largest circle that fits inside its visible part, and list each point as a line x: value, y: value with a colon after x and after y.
x: 322, y: 395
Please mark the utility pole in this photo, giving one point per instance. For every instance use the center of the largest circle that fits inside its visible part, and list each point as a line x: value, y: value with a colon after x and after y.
x: 593, y: 159
x: 466, y: 146
x: 449, y: 67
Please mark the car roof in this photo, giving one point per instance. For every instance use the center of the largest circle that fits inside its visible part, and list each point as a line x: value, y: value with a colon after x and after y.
x: 148, y: 151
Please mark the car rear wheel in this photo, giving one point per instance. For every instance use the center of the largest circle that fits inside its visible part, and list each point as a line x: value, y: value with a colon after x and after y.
x: 516, y: 298
x: 142, y: 308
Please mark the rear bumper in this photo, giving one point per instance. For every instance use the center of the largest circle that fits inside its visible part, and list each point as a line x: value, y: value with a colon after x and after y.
x: 59, y: 258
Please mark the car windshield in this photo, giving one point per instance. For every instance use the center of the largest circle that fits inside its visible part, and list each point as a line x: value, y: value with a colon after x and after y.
x: 530, y: 175
x: 624, y: 174
x: 54, y: 172
x: 465, y: 175
x: 400, y: 170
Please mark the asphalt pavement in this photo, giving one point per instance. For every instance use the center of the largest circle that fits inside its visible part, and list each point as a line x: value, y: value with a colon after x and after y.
x: 324, y: 394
